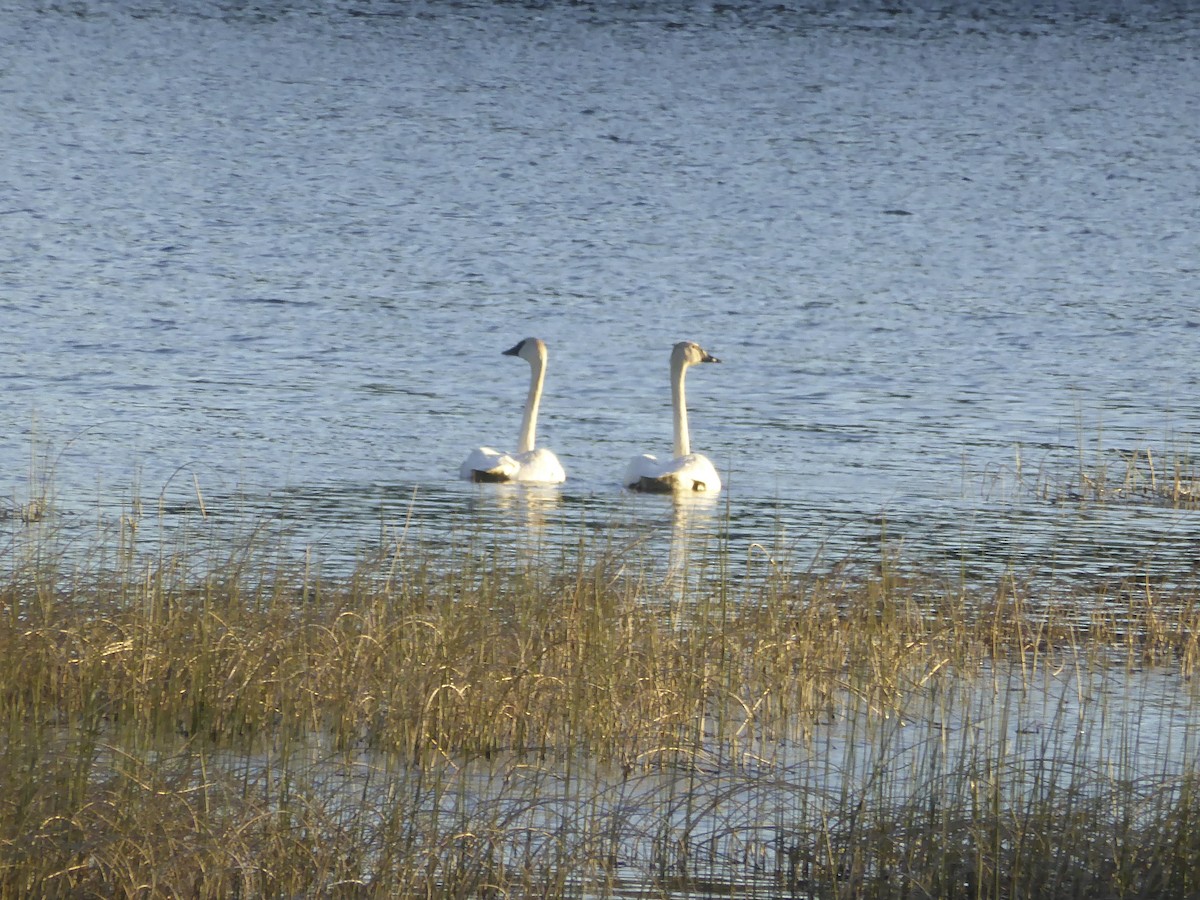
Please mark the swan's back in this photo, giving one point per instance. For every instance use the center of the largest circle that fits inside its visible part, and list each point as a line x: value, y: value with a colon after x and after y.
x: 692, y: 473
x: 488, y: 466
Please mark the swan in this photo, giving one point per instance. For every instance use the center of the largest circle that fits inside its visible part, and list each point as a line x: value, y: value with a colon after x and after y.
x: 527, y: 464
x: 686, y: 471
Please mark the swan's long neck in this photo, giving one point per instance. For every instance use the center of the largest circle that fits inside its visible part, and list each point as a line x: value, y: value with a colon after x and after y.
x: 683, y: 445
x: 529, y: 422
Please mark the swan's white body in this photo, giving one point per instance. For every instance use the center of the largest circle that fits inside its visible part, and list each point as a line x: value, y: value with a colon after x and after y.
x: 528, y: 463
x: 486, y: 464
x: 685, y: 471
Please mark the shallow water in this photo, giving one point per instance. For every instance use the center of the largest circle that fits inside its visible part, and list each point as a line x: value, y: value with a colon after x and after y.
x: 767, y: 814
x: 268, y: 258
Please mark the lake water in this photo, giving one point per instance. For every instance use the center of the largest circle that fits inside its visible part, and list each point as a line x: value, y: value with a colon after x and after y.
x: 270, y: 255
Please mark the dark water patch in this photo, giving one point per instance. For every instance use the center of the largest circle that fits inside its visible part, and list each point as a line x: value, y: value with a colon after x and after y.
x: 271, y: 301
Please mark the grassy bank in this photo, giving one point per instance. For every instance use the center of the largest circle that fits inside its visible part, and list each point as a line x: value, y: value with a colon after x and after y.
x: 219, y: 719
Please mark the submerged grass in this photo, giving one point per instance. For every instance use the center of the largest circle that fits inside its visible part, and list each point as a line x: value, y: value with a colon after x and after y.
x: 1168, y: 476
x: 217, y: 719
x: 1138, y: 475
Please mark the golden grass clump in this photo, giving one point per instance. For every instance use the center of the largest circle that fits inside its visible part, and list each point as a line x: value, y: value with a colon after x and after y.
x: 477, y: 723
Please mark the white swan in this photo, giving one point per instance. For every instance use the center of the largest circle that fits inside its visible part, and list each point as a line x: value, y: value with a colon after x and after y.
x: 687, y: 471
x: 527, y: 464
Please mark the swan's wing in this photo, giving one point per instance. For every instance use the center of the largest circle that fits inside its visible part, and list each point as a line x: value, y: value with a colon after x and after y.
x: 486, y: 464
x: 694, y: 472
x: 540, y: 465
x: 643, y: 472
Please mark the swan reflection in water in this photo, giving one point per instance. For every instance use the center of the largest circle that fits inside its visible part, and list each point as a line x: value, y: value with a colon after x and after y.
x: 694, y: 532
x: 525, y: 507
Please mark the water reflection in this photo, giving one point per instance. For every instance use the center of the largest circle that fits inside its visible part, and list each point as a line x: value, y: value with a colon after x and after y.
x: 528, y: 506
x: 694, y: 521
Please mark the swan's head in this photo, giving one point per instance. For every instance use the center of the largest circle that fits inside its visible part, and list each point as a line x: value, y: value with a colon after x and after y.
x: 532, y: 350
x: 687, y: 353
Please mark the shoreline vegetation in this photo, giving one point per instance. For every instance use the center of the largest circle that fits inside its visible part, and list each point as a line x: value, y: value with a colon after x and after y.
x: 216, y: 718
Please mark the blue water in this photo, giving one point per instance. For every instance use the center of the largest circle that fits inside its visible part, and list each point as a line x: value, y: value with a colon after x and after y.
x: 268, y: 258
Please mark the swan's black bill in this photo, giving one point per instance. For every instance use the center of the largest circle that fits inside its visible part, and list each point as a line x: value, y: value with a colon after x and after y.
x: 708, y: 357
x: 514, y: 351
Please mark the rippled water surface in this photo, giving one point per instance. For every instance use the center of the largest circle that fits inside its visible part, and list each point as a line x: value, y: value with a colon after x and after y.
x: 269, y: 256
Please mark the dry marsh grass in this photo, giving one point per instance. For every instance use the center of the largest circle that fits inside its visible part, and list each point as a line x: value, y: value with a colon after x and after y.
x: 218, y: 719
